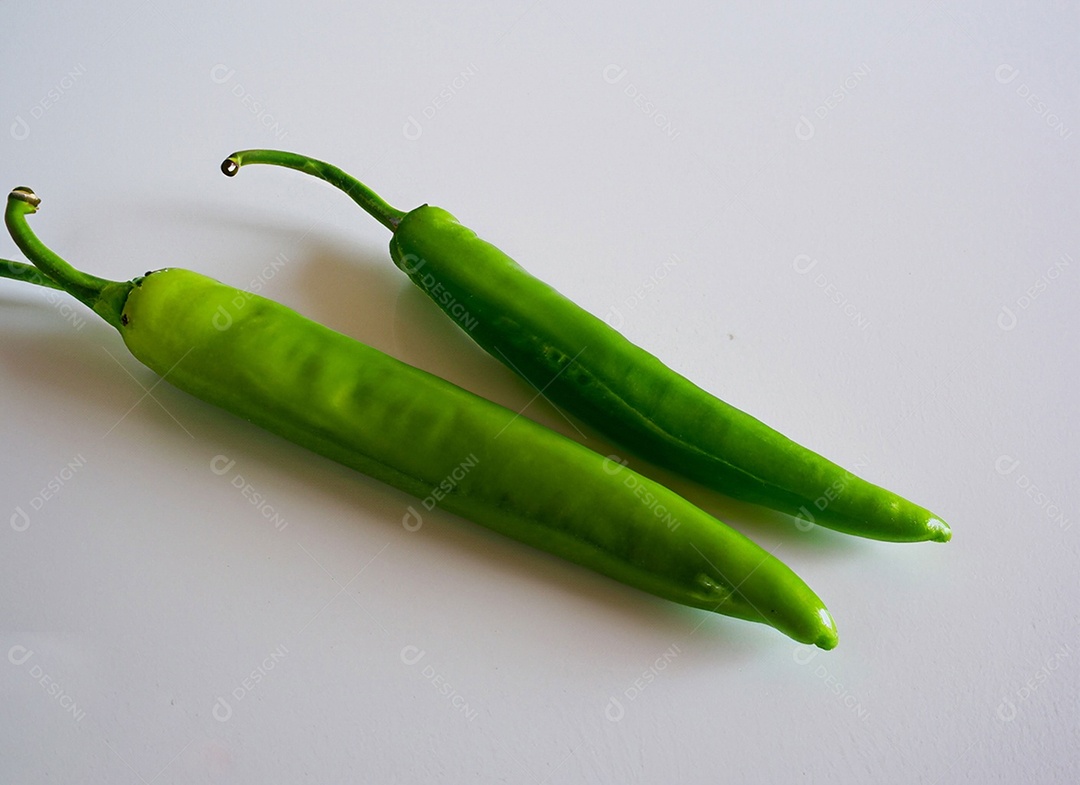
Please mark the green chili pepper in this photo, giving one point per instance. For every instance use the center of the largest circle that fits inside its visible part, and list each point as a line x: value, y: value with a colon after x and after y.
x: 588, y: 368
x: 432, y: 439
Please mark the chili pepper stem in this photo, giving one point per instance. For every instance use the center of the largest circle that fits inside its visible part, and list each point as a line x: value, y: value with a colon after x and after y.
x: 372, y: 203
x: 106, y: 298
x: 17, y: 271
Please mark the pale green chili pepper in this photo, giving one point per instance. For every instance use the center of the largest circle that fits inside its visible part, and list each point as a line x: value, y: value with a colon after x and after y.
x: 416, y: 432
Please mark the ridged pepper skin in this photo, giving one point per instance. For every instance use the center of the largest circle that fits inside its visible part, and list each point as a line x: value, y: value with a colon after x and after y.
x: 415, y: 431
x: 593, y: 372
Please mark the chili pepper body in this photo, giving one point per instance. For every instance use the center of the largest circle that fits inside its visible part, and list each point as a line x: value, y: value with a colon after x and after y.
x: 349, y: 402
x: 593, y: 372
x: 412, y: 430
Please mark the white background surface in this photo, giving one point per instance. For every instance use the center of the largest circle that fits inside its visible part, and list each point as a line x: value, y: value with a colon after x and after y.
x: 684, y: 164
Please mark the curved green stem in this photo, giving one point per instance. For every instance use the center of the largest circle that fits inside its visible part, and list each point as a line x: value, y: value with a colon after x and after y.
x: 17, y: 271
x: 388, y: 216
x: 105, y: 297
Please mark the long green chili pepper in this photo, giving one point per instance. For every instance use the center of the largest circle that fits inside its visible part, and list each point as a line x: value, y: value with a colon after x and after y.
x: 588, y: 368
x: 432, y: 439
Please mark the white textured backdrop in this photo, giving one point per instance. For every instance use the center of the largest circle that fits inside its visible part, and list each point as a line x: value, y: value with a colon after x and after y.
x: 859, y: 224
